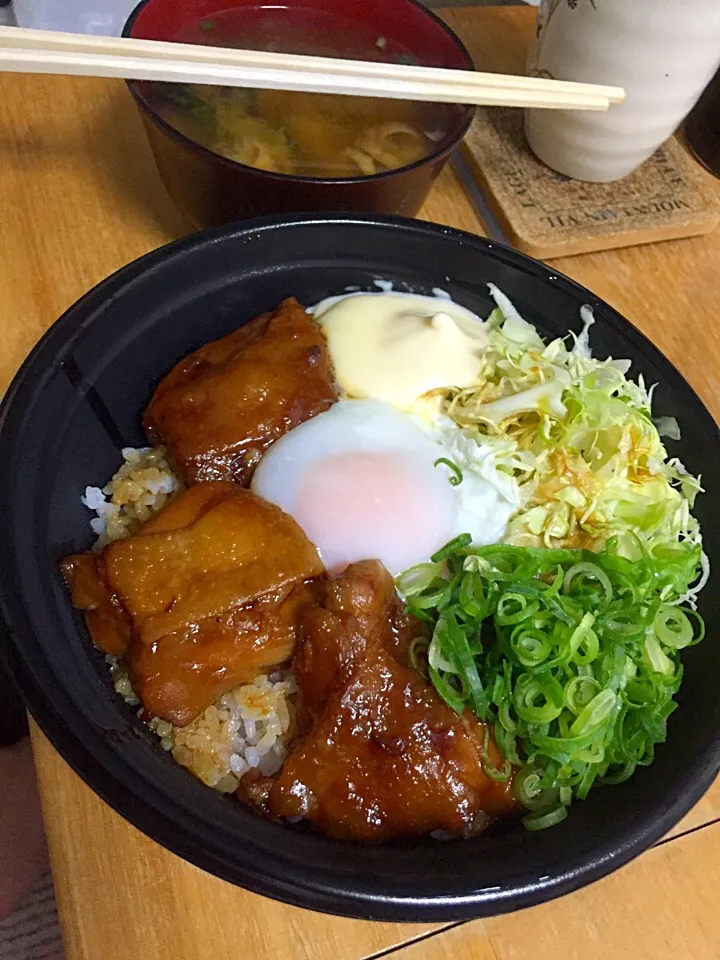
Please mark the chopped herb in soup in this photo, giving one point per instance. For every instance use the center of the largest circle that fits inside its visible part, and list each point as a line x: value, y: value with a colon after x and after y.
x: 302, y: 134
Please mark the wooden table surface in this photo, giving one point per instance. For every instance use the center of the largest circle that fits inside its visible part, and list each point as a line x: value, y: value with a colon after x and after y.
x: 79, y: 197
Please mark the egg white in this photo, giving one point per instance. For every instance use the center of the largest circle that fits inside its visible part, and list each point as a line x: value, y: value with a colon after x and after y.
x: 404, y: 509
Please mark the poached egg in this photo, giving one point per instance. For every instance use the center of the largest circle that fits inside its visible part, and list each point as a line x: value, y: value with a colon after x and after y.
x: 364, y: 482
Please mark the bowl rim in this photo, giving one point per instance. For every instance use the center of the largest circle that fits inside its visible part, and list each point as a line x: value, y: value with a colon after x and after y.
x: 155, y: 811
x: 446, y: 147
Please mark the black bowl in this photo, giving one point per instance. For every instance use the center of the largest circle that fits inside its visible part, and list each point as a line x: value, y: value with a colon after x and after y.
x: 78, y: 399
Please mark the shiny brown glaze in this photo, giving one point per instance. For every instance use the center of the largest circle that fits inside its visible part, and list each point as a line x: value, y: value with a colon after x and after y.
x: 106, y: 618
x: 202, y: 599
x: 237, y: 548
x: 223, y: 405
x: 182, y: 674
x: 380, y: 754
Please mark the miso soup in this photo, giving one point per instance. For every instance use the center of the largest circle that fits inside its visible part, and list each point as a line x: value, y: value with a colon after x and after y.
x: 302, y: 134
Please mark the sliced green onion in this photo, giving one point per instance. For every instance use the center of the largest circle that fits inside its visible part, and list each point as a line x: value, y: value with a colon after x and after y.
x: 422, y: 615
x: 530, y: 645
x: 514, y: 608
x: 448, y: 693
x: 541, y: 820
x: 425, y: 601
x: 588, y: 649
x: 472, y: 596
x: 657, y: 658
x: 538, y: 699
x: 555, y: 607
x: 497, y: 694
x: 590, y: 571
x: 580, y: 633
x: 507, y: 745
x: 529, y: 790
x: 437, y: 658
x: 583, y: 788
x: 694, y: 615
x: 640, y: 692
x: 579, y: 692
x: 458, y: 647
x: 417, y: 579
x: 418, y: 654
x: 625, y: 624
x: 673, y: 628
x: 595, y: 713
x: 459, y: 543
x: 457, y: 477
x: 505, y: 719
x: 565, y: 749
x: 500, y: 775
x: 572, y: 659
x: 620, y: 774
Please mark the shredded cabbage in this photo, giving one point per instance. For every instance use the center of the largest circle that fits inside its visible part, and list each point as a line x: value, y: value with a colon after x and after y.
x: 576, y: 441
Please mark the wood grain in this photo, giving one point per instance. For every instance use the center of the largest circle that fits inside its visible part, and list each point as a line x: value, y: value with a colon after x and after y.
x: 80, y: 197
x: 661, y: 907
x: 178, y: 910
x: 123, y: 897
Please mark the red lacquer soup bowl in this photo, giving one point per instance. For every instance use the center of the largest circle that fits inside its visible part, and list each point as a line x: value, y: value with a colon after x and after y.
x: 212, y: 189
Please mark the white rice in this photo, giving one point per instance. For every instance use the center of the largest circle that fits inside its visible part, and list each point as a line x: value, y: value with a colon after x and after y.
x: 247, y: 728
x: 138, y: 489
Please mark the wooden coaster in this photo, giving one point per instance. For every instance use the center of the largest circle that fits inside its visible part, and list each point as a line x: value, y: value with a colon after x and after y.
x: 546, y: 214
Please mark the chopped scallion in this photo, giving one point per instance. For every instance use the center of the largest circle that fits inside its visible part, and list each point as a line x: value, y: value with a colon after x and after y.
x: 457, y: 476
x: 571, y: 658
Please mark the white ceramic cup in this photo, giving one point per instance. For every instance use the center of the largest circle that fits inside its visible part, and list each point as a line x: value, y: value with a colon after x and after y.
x: 104, y: 17
x: 663, y: 52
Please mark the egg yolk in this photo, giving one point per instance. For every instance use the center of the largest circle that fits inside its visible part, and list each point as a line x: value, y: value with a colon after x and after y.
x: 370, y: 505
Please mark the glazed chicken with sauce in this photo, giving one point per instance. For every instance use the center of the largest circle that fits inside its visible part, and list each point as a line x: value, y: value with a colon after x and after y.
x: 222, y: 585
x: 380, y: 755
x: 222, y: 406
x: 203, y: 598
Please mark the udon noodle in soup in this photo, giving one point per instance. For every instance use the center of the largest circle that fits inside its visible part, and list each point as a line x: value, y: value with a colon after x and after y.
x: 302, y: 134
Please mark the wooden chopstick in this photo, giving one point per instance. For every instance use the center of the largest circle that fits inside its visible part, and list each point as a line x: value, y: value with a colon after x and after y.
x: 14, y: 37
x: 283, y: 79
x: 40, y: 51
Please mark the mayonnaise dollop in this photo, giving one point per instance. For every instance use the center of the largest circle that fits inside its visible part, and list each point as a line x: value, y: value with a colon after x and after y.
x: 395, y: 347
